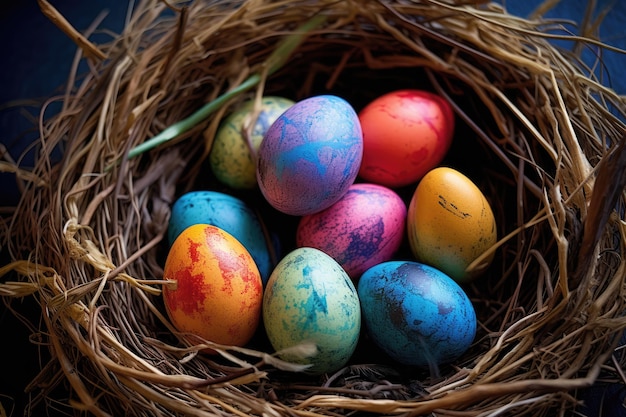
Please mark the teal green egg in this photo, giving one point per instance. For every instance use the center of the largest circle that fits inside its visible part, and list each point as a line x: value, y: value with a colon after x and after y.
x: 231, y: 159
x: 310, y: 298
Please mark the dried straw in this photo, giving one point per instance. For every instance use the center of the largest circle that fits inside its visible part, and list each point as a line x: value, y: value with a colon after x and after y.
x: 86, y: 239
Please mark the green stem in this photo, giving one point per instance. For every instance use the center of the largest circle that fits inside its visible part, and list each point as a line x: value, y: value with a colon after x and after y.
x: 274, y: 62
x: 184, y: 125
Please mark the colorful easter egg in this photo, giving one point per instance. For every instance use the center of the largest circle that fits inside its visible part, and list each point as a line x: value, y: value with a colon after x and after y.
x: 233, y: 152
x: 365, y: 227
x: 217, y: 292
x: 416, y: 314
x: 450, y: 224
x: 406, y: 133
x: 310, y: 155
x: 310, y: 298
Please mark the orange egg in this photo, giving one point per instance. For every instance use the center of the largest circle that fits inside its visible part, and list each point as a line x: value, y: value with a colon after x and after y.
x: 450, y: 224
x: 218, y: 293
x: 406, y: 133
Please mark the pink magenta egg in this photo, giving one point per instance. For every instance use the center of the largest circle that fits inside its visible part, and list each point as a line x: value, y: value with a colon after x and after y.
x: 406, y: 133
x: 310, y: 155
x: 365, y: 227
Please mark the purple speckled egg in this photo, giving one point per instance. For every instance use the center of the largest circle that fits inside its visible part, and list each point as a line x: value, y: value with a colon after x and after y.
x: 310, y: 155
x: 365, y: 227
x: 417, y: 314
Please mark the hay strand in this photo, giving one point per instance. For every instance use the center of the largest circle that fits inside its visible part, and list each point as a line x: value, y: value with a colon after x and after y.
x: 59, y: 20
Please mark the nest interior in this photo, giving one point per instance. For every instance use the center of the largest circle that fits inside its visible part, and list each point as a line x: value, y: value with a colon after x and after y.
x: 538, y: 133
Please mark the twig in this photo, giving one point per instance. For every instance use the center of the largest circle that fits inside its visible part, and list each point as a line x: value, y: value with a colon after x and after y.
x: 59, y: 20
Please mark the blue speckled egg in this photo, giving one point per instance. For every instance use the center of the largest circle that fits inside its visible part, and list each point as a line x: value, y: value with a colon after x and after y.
x: 365, y: 227
x: 310, y: 298
x: 229, y: 214
x: 232, y: 158
x: 310, y: 155
x: 415, y: 313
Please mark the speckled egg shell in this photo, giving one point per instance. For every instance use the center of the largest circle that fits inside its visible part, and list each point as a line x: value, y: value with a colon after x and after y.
x: 309, y: 297
x: 310, y: 155
x: 365, y: 227
x: 416, y: 313
x: 218, y: 293
x: 228, y: 213
x: 450, y: 224
x: 231, y: 159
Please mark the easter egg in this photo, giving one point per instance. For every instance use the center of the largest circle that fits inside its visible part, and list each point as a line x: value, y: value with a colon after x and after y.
x: 310, y: 155
x: 450, y: 224
x: 218, y: 293
x: 233, y: 153
x: 416, y: 314
x: 406, y: 133
x: 228, y: 213
x: 365, y: 227
x: 310, y: 298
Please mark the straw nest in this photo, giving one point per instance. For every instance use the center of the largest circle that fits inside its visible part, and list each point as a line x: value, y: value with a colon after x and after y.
x: 541, y: 136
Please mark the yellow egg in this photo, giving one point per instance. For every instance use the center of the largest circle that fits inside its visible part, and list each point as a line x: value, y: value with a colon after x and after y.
x: 231, y: 160
x: 450, y: 224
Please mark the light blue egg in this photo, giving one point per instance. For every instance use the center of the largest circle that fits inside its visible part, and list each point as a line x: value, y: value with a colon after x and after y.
x: 417, y: 314
x: 229, y: 214
x: 310, y: 298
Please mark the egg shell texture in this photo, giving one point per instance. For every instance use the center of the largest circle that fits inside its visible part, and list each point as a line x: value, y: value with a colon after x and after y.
x: 231, y: 158
x: 309, y: 297
x: 365, y: 227
x: 310, y: 155
x: 450, y: 223
x: 228, y: 213
x: 405, y: 134
x: 416, y: 313
x: 218, y: 293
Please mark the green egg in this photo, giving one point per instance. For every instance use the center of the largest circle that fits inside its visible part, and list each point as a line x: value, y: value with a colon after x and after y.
x: 310, y: 298
x: 230, y: 159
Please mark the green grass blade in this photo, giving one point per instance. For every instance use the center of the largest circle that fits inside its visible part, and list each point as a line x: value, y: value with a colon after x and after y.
x: 275, y: 61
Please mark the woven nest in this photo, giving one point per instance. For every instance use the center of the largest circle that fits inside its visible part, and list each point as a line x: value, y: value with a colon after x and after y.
x: 541, y: 136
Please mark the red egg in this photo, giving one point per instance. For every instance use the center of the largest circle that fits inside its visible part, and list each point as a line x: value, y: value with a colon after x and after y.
x: 406, y: 133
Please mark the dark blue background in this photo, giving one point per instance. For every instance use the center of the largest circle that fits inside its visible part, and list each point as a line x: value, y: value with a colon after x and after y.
x: 35, y: 59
